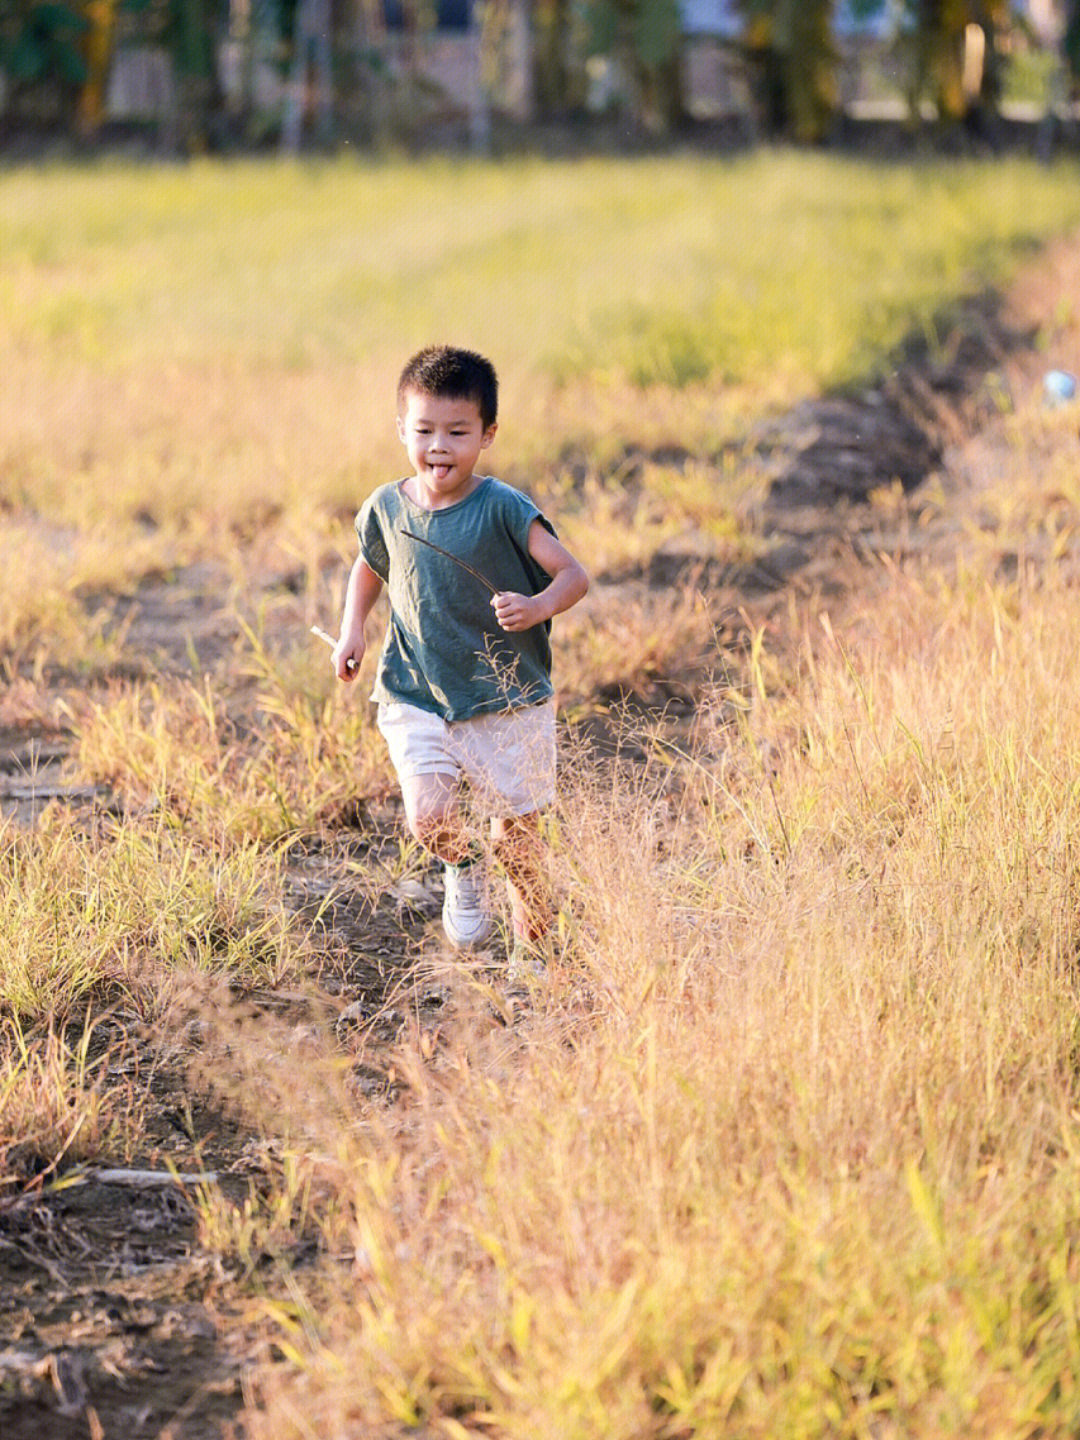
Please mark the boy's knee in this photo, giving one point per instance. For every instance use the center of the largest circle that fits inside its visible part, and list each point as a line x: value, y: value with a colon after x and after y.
x: 429, y: 825
x: 435, y: 822
x: 430, y: 805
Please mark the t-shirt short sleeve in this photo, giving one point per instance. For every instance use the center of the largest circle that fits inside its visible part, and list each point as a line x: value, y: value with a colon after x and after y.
x: 369, y: 531
x: 517, y: 513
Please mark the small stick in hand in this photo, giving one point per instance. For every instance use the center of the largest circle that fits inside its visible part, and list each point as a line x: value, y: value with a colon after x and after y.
x: 351, y: 664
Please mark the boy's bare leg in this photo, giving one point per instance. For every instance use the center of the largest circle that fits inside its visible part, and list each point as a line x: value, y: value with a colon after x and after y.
x: 520, y: 850
x: 433, y: 811
x: 432, y: 805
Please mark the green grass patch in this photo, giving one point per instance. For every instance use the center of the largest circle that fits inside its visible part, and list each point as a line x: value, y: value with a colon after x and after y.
x: 94, y: 916
x: 669, y: 270
x: 208, y: 344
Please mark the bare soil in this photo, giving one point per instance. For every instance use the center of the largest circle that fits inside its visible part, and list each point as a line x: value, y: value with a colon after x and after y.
x: 113, y: 1321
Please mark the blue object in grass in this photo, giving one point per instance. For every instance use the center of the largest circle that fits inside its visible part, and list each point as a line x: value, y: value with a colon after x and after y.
x: 1059, y: 387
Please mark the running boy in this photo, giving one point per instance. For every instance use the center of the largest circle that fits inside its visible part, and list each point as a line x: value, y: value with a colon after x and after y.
x: 474, y: 574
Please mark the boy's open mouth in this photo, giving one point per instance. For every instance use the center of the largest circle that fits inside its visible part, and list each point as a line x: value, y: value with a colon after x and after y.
x: 441, y: 471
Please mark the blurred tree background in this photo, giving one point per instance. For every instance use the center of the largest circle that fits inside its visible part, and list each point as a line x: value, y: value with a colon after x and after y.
x: 216, y: 74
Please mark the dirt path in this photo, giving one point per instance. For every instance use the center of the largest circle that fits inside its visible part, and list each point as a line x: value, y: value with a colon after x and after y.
x: 112, y: 1322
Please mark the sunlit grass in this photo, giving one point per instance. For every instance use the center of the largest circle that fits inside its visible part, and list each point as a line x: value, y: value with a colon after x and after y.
x: 191, y: 352
x: 59, y: 1105
x: 792, y: 1147
x: 61, y: 592
x: 788, y: 1143
x: 238, y: 327
x: 303, y: 755
x: 670, y: 269
x: 93, y: 917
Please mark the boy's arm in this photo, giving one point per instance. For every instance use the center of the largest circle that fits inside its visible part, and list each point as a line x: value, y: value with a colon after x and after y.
x: 569, y: 583
x: 360, y: 595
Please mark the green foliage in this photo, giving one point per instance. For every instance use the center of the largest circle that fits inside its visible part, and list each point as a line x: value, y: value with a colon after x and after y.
x: 645, y: 37
x: 651, y: 29
x: 189, y: 33
x: 45, y: 49
x: 791, y: 46
x: 657, y: 31
x: 43, y: 44
x: 1071, y: 42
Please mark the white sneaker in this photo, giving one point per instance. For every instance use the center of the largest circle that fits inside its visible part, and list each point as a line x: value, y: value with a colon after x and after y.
x: 464, y: 916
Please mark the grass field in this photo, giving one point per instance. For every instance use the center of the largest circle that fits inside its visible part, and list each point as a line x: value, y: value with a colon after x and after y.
x: 191, y: 353
x: 166, y: 329
x: 789, y: 1143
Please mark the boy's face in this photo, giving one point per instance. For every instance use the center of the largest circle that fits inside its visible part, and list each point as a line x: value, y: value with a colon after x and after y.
x: 444, y: 439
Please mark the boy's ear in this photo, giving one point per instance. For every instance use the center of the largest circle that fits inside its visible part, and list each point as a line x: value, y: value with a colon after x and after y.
x: 401, y: 429
x: 489, y: 435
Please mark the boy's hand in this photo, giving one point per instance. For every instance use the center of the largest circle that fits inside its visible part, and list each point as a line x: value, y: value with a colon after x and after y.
x: 516, y: 612
x: 347, y: 657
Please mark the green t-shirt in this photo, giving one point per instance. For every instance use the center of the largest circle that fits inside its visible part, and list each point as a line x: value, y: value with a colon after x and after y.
x: 444, y: 650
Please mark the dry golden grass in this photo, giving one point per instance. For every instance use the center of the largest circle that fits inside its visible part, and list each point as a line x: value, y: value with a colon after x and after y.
x: 303, y: 755
x: 115, y: 912
x: 787, y: 1144
x: 59, y: 1105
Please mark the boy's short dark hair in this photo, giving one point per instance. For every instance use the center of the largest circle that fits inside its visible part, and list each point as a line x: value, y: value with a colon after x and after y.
x: 452, y: 374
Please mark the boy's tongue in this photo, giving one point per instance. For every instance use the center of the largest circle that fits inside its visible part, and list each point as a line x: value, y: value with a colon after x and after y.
x: 440, y: 471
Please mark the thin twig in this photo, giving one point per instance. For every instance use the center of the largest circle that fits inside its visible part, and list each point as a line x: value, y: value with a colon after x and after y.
x: 455, y: 558
x: 150, y: 1179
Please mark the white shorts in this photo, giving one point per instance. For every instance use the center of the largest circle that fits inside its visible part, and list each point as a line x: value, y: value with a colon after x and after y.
x: 508, y: 758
